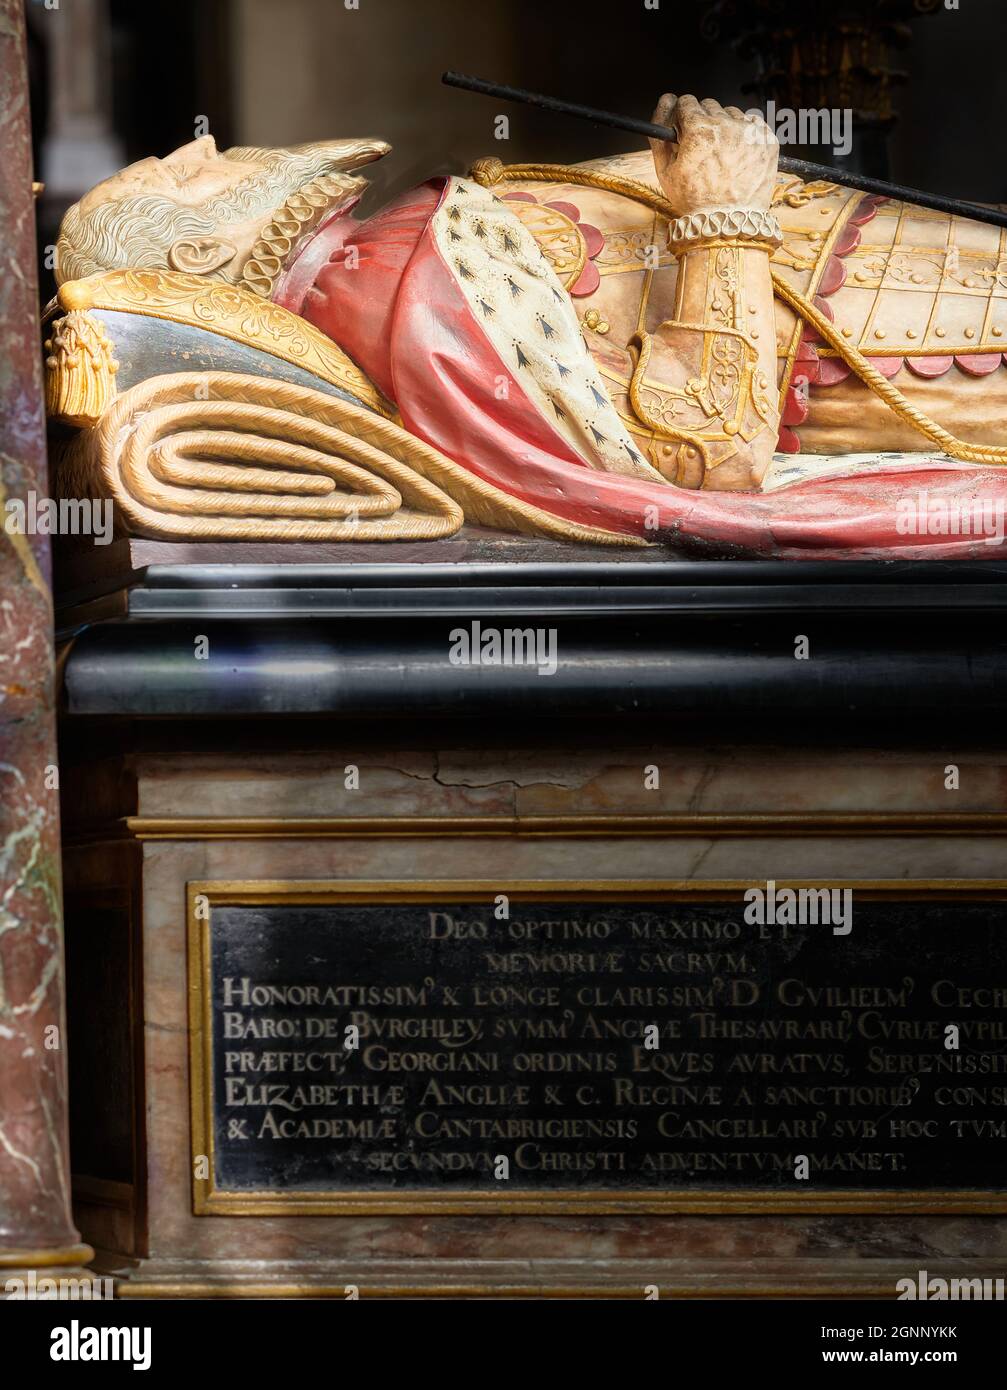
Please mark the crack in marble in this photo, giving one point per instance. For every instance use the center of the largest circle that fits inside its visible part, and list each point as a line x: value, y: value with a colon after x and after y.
x: 694, y: 867
x: 698, y: 791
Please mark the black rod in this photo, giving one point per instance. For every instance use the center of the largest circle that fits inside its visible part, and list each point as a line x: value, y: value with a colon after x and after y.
x: 996, y: 217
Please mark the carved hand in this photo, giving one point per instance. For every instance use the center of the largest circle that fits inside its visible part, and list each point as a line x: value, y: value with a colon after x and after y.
x: 722, y: 157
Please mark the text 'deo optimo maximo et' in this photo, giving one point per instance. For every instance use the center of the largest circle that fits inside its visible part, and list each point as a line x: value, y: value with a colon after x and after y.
x: 626, y: 1045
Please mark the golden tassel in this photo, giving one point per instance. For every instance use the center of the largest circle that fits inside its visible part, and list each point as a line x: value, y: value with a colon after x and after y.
x: 80, y: 370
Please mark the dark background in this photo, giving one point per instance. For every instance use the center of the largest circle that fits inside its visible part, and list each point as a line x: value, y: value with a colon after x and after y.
x: 128, y: 78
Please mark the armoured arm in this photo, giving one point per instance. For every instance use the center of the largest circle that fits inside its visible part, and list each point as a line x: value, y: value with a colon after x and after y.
x: 718, y: 351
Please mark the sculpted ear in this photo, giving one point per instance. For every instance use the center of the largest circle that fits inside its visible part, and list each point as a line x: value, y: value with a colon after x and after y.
x: 200, y: 255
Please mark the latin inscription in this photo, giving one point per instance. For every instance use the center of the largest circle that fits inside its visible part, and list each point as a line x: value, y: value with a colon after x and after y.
x: 638, y: 1045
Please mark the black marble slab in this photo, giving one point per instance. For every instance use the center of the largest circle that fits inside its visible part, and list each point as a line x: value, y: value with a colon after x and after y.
x: 609, y: 1044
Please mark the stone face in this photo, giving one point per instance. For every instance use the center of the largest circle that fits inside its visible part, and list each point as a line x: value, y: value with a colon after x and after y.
x: 35, y: 1222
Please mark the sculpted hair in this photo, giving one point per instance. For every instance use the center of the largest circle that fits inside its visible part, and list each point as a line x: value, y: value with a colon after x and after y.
x: 139, y: 231
x: 136, y: 232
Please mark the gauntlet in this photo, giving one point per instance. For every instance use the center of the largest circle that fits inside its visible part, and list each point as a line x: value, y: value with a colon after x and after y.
x: 716, y: 356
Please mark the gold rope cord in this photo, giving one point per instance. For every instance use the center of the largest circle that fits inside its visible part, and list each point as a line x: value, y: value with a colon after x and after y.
x: 227, y: 456
x: 491, y: 171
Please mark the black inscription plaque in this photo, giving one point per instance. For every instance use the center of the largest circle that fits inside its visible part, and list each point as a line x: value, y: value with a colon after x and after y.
x: 644, y: 1045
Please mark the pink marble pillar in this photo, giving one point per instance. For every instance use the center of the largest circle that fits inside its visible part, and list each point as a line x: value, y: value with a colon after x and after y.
x: 36, y: 1229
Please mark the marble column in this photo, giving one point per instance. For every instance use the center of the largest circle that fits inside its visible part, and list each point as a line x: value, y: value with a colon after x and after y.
x: 36, y: 1230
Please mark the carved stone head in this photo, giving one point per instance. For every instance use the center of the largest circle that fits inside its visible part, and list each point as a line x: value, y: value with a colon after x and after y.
x: 234, y: 215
